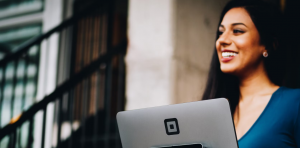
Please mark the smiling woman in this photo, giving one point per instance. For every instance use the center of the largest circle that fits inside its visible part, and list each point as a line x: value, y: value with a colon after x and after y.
x: 247, y: 69
x: 238, y: 46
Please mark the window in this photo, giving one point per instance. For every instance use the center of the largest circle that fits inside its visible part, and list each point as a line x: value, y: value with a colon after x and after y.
x: 12, y: 8
x: 20, y: 77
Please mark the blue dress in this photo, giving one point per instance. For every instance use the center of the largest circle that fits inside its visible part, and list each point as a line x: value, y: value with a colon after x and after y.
x: 278, y: 126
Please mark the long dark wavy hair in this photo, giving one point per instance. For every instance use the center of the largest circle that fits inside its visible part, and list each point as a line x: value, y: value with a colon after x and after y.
x: 269, y: 23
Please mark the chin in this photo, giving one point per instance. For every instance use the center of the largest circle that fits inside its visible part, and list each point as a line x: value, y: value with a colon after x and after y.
x: 228, y: 69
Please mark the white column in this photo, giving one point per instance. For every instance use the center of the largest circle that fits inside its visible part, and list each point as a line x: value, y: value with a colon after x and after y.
x: 148, y: 60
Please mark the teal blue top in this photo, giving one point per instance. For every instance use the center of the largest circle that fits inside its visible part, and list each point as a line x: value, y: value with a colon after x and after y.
x: 278, y: 126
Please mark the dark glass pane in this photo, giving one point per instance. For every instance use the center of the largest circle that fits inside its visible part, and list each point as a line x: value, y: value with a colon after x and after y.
x: 12, y: 8
x: 14, y: 37
x: 20, y: 76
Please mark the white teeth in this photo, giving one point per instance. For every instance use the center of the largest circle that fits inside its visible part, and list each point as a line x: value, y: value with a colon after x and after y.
x: 228, y: 54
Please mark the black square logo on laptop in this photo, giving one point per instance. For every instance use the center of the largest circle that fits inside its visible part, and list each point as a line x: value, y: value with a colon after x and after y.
x: 171, y: 126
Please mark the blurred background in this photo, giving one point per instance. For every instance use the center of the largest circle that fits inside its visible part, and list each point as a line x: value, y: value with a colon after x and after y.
x: 68, y: 66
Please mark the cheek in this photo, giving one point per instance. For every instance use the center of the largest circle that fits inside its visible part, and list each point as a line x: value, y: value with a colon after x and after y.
x: 217, y: 45
x: 250, y: 52
x: 248, y: 46
x: 243, y: 44
x: 218, y: 48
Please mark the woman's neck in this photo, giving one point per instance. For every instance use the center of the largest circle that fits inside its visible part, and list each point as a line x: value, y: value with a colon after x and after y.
x: 255, y: 84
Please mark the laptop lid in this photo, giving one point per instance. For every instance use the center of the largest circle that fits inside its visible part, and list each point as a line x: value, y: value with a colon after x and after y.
x: 208, y: 123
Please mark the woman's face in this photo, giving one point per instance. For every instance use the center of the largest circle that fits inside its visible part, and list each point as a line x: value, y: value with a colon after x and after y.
x: 238, y: 46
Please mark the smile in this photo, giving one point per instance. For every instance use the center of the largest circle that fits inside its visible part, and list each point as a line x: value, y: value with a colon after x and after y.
x: 228, y: 56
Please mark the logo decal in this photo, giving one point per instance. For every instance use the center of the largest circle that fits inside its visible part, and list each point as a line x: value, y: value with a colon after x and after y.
x: 171, y: 126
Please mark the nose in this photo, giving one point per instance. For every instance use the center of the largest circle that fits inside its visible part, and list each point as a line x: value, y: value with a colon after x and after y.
x: 224, y: 39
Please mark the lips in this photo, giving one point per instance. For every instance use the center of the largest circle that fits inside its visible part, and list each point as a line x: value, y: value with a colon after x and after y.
x: 228, y: 55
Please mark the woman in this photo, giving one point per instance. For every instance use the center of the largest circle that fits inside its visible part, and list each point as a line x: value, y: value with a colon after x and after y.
x: 245, y: 69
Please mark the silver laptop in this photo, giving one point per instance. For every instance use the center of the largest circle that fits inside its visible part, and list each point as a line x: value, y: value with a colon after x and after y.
x: 201, y: 124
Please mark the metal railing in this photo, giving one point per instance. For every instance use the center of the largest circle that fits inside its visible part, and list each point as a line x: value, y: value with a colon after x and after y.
x: 102, y: 78
x: 58, y: 95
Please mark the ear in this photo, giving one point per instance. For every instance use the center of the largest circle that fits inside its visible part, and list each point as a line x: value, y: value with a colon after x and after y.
x: 263, y: 49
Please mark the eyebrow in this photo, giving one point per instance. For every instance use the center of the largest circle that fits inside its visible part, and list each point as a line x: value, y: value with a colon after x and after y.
x: 234, y: 24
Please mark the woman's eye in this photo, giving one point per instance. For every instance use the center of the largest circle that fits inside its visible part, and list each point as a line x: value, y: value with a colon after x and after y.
x: 238, y: 31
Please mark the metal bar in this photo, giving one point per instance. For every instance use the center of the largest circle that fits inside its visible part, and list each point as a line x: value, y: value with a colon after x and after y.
x: 30, y: 134
x: 110, y: 24
x: 12, y: 139
x: 71, y: 97
x: 23, y: 48
x: 108, y: 75
x: 83, y: 117
x: 2, y: 92
x: 16, y: 64
x: 25, y: 77
x: 92, y: 78
x: 37, y: 68
x: 107, y: 103
x: 44, y: 127
x: 59, y: 120
x: 19, y: 137
x: 86, y: 83
x: 71, y: 107
x: 83, y: 83
x: 12, y: 100
x: 77, y: 66
x: 98, y: 81
x: 120, y: 91
x: 86, y: 71
x: 96, y: 108
x: 101, y: 34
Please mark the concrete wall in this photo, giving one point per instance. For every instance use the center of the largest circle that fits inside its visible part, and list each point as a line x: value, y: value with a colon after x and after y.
x: 195, y: 32
x: 169, y: 52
